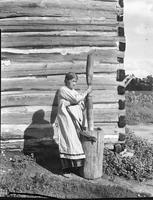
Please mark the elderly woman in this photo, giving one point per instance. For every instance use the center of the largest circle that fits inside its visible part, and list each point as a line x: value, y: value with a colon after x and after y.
x: 70, y: 101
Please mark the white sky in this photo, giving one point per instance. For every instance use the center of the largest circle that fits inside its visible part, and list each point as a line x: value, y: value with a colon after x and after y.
x: 138, y: 22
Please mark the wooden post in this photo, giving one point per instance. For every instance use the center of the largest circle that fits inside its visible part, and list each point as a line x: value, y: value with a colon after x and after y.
x: 89, y: 78
x: 93, y: 167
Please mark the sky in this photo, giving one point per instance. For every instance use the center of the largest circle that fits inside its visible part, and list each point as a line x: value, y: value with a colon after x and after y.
x: 138, y: 24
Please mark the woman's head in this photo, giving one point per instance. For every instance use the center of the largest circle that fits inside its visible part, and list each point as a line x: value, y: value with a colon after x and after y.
x: 71, y: 80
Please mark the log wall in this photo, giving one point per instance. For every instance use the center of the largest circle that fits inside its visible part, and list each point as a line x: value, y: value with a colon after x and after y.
x: 41, y: 41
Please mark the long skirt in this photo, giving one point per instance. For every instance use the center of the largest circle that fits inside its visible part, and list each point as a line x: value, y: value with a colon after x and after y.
x: 70, y: 147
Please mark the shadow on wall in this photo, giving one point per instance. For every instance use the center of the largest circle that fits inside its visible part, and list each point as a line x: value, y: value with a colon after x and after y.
x: 54, y: 108
x: 38, y: 139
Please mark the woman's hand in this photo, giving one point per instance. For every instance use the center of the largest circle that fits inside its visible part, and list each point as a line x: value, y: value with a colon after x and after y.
x: 89, y: 89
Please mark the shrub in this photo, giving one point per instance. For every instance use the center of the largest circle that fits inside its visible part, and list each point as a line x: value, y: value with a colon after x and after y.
x: 138, y: 167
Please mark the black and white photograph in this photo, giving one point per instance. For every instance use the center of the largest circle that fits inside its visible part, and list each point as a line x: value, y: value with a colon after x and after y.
x: 76, y: 99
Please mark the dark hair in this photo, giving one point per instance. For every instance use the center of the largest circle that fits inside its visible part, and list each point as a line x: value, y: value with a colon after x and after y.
x: 70, y: 76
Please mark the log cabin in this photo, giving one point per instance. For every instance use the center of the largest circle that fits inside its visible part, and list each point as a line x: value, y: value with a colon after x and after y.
x: 41, y: 40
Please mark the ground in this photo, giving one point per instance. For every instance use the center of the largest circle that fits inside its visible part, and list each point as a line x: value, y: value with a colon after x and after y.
x: 70, y: 185
x: 24, y: 175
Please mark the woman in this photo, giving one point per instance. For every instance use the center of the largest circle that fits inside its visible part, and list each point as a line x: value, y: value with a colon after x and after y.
x: 71, y: 151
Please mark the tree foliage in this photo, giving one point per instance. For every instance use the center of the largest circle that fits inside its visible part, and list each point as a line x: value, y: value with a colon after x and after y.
x: 138, y: 84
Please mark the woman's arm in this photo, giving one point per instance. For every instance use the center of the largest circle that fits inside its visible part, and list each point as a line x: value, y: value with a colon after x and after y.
x: 73, y: 97
x: 81, y: 97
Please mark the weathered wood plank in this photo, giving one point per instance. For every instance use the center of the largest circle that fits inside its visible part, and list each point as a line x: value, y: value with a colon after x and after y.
x: 109, y: 128
x: 80, y: 27
x: 18, y: 145
x: 13, y: 69
x: 48, y: 40
x: 50, y: 21
x: 57, y: 12
x: 35, y: 98
x: 23, y: 115
x: 33, y: 144
x: 69, y: 54
x: 72, y: 4
x: 59, y: 34
x: 16, y: 131
x: 43, y: 24
x: 100, y: 81
x: 37, y: 144
x: 57, y: 8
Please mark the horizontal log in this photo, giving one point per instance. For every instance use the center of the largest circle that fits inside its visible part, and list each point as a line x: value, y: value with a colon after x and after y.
x: 72, y: 4
x: 100, y: 81
x: 37, y: 145
x: 58, y: 34
x: 20, y: 115
x: 18, y: 146
x: 57, y: 8
x: 83, y: 27
x: 12, y: 69
x: 50, y: 21
x: 57, y: 12
x: 26, y: 109
x: 101, y: 54
x: 109, y: 128
x: 16, y: 131
x: 35, y: 98
x: 48, y: 40
x: 43, y: 24
x: 31, y: 144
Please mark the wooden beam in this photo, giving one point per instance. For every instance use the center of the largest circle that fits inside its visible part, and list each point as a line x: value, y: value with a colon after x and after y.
x: 43, y: 24
x: 35, y: 98
x: 69, y: 54
x: 20, y: 69
x: 36, y: 144
x: 16, y: 131
x: 54, y: 21
x: 18, y: 145
x: 57, y: 8
x: 100, y: 81
x: 20, y: 115
x: 58, y: 39
x: 59, y: 34
x: 33, y: 144
x: 71, y: 4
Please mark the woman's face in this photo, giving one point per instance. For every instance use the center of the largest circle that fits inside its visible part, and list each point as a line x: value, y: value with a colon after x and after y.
x: 71, y: 83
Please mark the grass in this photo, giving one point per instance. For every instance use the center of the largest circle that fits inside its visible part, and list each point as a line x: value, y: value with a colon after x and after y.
x: 139, y: 107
